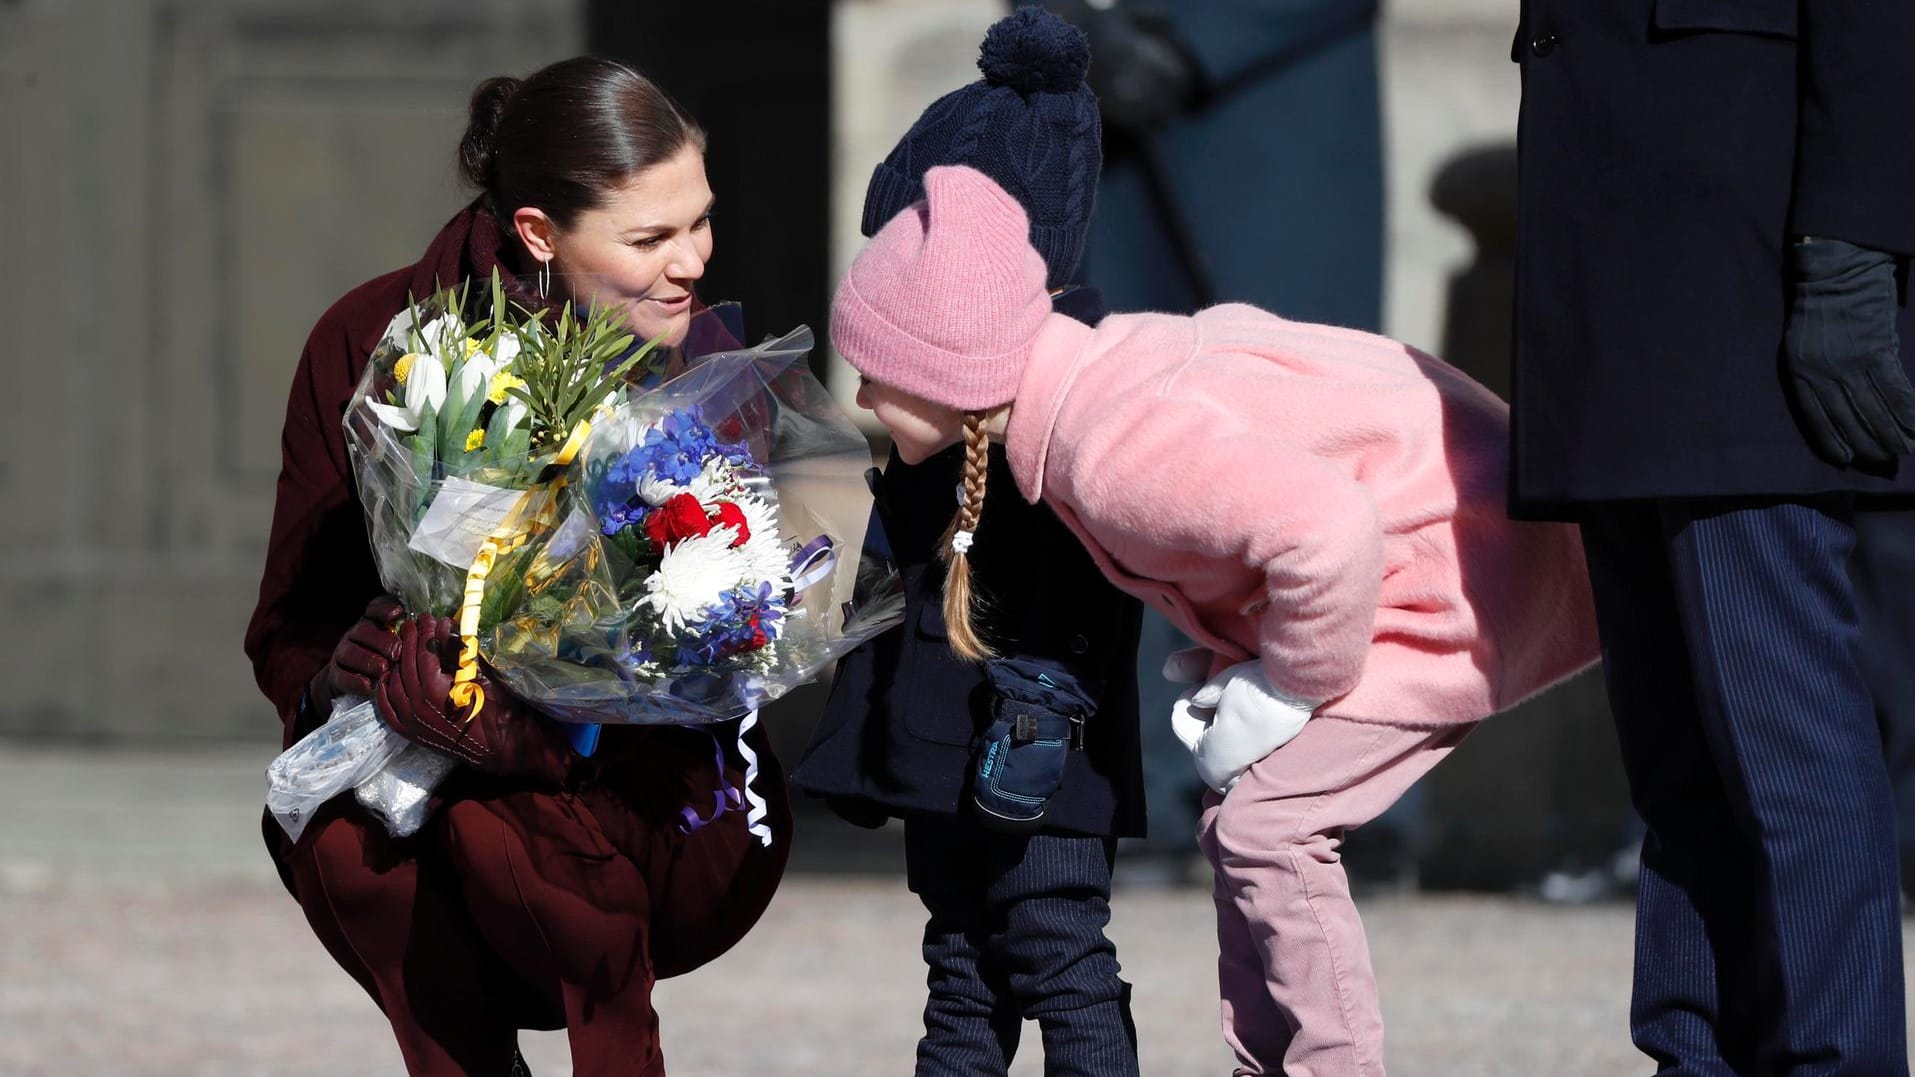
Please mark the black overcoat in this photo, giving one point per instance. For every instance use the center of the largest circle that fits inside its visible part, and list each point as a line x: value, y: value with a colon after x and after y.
x: 903, y: 719
x: 1668, y: 150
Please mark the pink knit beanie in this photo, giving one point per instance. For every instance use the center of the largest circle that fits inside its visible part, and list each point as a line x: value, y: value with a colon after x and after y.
x: 944, y: 302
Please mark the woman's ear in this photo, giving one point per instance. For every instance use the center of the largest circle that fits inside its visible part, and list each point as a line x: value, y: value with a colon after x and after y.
x: 537, y: 232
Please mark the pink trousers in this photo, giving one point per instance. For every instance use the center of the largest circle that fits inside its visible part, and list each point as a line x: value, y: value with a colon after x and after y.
x: 1299, y: 997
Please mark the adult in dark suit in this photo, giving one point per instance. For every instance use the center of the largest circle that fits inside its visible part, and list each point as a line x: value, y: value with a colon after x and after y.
x: 1717, y: 200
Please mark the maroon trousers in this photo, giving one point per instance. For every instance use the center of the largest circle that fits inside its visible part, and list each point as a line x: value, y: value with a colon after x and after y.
x: 520, y: 907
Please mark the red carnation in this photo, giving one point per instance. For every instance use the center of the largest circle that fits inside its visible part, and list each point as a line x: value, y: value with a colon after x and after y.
x: 676, y: 520
x: 730, y: 515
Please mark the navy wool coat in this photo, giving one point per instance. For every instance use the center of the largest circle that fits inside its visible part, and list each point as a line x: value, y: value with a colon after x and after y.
x: 1668, y: 150
x: 901, y: 727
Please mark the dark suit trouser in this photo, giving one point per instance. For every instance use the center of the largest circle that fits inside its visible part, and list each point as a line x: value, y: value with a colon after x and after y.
x: 1016, y: 932
x: 1768, y: 931
x: 1883, y: 569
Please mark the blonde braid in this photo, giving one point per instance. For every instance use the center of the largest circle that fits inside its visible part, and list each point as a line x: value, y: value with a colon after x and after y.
x: 959, y: 597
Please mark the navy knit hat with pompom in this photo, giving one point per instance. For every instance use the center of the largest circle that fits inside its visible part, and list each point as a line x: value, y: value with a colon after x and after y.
x: 1030, y: 124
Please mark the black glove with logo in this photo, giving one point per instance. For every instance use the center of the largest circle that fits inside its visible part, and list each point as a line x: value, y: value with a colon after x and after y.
x: 1038, y: 714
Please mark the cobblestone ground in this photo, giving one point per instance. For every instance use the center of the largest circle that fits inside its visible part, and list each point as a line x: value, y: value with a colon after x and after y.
x: 141, y: 933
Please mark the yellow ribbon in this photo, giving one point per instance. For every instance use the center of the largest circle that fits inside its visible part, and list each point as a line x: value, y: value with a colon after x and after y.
x: 511, y: 533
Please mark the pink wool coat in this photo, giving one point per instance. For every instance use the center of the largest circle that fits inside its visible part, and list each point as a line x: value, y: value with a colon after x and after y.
x: 1326, y: 500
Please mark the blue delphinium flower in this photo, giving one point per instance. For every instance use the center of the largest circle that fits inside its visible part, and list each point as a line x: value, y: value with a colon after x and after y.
x: 676, y: 451
x: 746, y: 619
x: 614, y: 518
x: 677, y: 448
x: 639, y: 655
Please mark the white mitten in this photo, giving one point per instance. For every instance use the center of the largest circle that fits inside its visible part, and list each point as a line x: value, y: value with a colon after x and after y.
x: 1234, y: 720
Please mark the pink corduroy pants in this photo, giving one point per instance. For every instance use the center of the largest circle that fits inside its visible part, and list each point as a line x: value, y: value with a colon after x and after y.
x: 1293, y: 967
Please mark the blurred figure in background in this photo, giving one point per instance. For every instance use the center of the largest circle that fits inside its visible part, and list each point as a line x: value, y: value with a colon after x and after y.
x: 1243, y: 161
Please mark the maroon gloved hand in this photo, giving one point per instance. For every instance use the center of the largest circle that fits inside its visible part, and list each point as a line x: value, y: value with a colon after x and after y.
x: 362, y: 657
x: 508, y: 737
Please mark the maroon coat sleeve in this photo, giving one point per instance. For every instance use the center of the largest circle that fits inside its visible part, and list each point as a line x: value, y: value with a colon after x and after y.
x: 319, y: 571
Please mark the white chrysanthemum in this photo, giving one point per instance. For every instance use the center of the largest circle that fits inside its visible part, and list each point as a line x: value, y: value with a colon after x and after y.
x: 693, y: 577
x: 709, y: 487
x: 721, y: 478
x: 765, y: 550
x: 655, y: 491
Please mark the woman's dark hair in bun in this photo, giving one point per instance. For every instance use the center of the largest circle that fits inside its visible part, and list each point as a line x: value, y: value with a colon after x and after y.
x: 563, y: 138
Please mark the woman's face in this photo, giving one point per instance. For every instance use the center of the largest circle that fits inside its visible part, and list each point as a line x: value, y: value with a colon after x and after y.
x: 643, y: 251
x: 919, y: 428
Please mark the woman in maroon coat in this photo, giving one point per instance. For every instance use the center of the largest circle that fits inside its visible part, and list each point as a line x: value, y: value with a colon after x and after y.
x: 548, y: 890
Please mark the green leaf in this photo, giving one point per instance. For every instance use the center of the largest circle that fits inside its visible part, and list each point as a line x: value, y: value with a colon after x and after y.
x: 517, y: 444
x: 428, y: 432
x: 504, y: 588
x: 465, y: 418
x: 499, y: 427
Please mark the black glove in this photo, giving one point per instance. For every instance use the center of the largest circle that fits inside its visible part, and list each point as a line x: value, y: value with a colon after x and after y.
x: 508, y: 737
x: 1141, y: 77
x: 1843, y: 357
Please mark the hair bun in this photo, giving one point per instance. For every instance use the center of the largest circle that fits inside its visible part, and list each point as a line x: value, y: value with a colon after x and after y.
x: 478, y: 150
x: 1034, y: 51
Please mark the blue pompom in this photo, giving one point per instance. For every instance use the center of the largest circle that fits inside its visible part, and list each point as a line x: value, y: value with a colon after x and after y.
x: 1033, y: 50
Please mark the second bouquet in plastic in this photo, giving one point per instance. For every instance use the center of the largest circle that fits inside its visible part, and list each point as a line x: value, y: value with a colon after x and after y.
x: 707, y: 556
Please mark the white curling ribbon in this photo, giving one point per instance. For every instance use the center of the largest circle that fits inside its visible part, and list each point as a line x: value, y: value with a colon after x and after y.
x: 754, y: 819
x: 961, y: 542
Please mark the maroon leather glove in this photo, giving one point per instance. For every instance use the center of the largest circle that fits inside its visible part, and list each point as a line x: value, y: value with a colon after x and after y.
x: 508, y: 737
x: 360, y: 660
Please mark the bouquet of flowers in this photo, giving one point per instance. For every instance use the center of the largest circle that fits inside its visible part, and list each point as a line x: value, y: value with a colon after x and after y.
x: 699, y: 568
x: 455, y: 429
x: 614, y: 553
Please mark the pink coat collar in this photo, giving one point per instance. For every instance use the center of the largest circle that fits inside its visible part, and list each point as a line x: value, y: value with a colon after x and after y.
x: 1057, y: 352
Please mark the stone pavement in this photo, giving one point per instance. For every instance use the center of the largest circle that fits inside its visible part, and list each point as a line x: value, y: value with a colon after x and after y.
x: 142, y: 933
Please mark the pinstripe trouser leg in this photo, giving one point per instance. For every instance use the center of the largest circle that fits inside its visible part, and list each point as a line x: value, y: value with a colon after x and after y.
x: 1049, y: 903
x: 971, y: 1022
x: 1768, y: 930
x: 1017, y: 933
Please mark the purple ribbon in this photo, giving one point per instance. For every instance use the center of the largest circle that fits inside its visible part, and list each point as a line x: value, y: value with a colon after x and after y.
x: 725, y: 798
x: 813, y: 563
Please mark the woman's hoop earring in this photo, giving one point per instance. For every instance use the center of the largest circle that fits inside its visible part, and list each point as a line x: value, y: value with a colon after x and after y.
x: 545, y: 278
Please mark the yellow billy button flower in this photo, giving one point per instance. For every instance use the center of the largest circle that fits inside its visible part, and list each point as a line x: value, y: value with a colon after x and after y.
x: 474, y: 440
x: 403, y: 367
x: 502, y: 382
